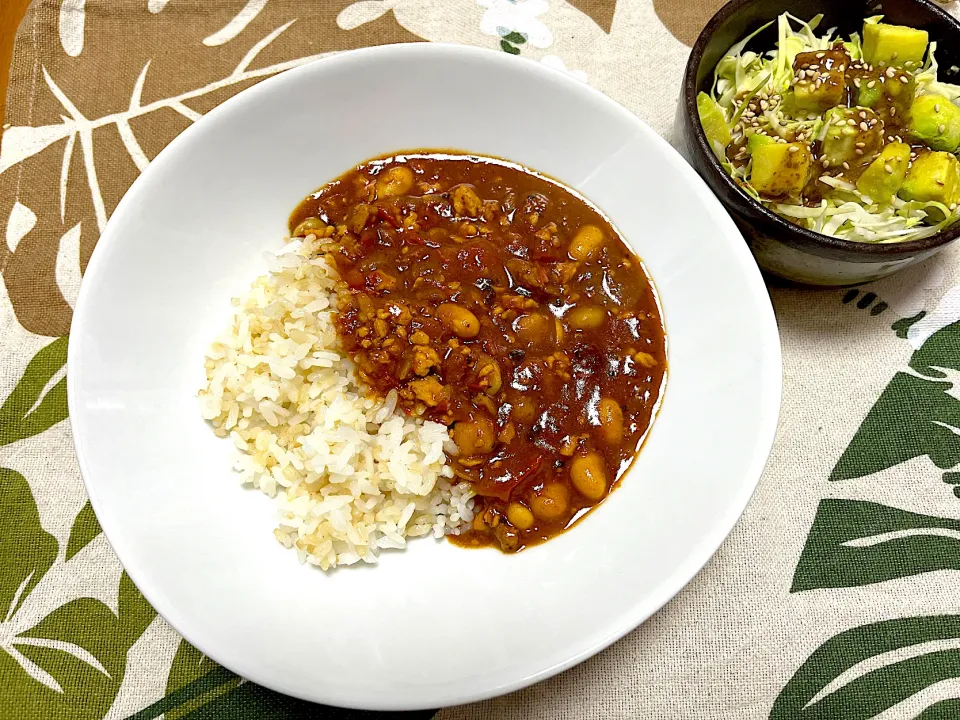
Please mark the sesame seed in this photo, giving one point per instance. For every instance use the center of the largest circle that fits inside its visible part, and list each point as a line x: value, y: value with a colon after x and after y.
x: 903, y: 78
x: 890, y: 72
x: 764, y: 105
x: 793, y: 149
x: 888, y: 168
x: 936, y: 107
x: 871, y: 84
x: 826, y: 162
x: 846, y: 165
x: 858, y: 151
x: 856, y: 81
x: 851, y: 122
x: 864, y: 126
x: 941, y: 129
x: 893, y: 111
x: 863, y: 115
x: 860, y: 144
x: 849, y: 131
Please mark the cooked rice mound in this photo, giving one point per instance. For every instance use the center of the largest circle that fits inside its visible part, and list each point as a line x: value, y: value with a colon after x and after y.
x: 351, y: 473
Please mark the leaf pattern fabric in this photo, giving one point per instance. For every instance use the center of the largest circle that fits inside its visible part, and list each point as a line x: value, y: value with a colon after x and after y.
x: 833, y: 599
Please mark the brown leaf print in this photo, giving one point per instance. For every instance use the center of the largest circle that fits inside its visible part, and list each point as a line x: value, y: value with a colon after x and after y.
x: 686, y: 18
x: 99, y: 88
x: 601, y: 11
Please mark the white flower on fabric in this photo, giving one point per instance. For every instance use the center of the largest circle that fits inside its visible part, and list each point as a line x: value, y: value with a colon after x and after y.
x: 553, y: 61
x: 504, y: 16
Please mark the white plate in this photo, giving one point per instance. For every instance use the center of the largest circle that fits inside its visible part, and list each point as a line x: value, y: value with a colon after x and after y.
x: 434, y: 625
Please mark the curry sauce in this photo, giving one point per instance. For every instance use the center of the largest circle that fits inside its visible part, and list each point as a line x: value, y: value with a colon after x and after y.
x: 497, y: 302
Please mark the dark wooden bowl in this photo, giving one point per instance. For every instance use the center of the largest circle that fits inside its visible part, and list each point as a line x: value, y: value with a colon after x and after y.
x: 780, y: 247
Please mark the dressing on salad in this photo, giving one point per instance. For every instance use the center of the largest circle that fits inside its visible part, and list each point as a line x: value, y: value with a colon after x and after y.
x: 853, y: 138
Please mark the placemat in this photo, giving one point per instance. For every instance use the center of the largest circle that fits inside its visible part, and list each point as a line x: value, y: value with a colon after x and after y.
x: 836, y: 596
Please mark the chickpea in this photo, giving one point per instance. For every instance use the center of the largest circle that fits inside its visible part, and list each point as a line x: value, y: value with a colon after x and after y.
x: 534, y: 329
x: 395, y: 181
x: 611, y: 422
x: 646, y: 359
x: 587, y: 243
x: 475, y: 436
x: 552, y: 502
x: 310, y: 226
x: 587, y: 317
x: 589, y: 476
x: 519, y: 516
x: 524, y: 409
x: 463, y: 322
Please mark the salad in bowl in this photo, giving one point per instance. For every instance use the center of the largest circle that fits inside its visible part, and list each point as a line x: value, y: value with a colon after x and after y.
x: 854, y: 138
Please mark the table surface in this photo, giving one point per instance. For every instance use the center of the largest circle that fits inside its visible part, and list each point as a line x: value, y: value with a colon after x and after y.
x: 834, y: 598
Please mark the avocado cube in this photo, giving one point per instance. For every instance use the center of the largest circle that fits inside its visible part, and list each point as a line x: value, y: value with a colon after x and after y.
x: 933, y: 176
x: 883, y: 178
x: 894, y: 45
x: 936, y: 121
x: 869, y: 96
x: 780, y: 168
x: 714, y: 123
x: 757, y: 139
x: 820, y: 79
x: 854, y: 136
x: 891, y: 98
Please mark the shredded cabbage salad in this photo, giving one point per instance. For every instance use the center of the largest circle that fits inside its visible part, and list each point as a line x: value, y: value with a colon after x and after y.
x: 840, y: 210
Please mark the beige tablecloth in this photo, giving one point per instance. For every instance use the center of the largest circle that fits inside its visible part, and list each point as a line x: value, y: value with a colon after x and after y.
x: 836, y: 596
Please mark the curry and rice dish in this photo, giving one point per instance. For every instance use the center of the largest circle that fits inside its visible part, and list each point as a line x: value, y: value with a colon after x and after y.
x: 451, y: 345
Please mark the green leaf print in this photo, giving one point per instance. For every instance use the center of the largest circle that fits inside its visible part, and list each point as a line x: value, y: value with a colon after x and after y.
x: 856, y: 543
x: 508, y: 48
x: 862, y: 672
x: 67, y: 660
x: 941, y: 350
x: 916, y: 415
x: 253, y: 702
x: 85, y: 528
x: 28, y: 410
x: 199, y: 689
x: 514, y: 37
x: 943, y: 710
x: 199, y: 680
x: 26, y: 550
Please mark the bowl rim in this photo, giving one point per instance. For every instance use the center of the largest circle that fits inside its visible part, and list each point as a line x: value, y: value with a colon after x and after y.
x: 710, y: 542
x: 788, y: 233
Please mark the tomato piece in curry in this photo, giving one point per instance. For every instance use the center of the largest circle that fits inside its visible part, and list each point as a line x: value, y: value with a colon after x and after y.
x: 496, y: 301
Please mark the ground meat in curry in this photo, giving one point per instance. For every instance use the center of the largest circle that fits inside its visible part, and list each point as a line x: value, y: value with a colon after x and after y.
x: 497, y: 302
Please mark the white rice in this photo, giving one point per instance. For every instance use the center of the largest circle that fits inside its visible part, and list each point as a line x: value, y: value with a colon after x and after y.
x: 351, y: 474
